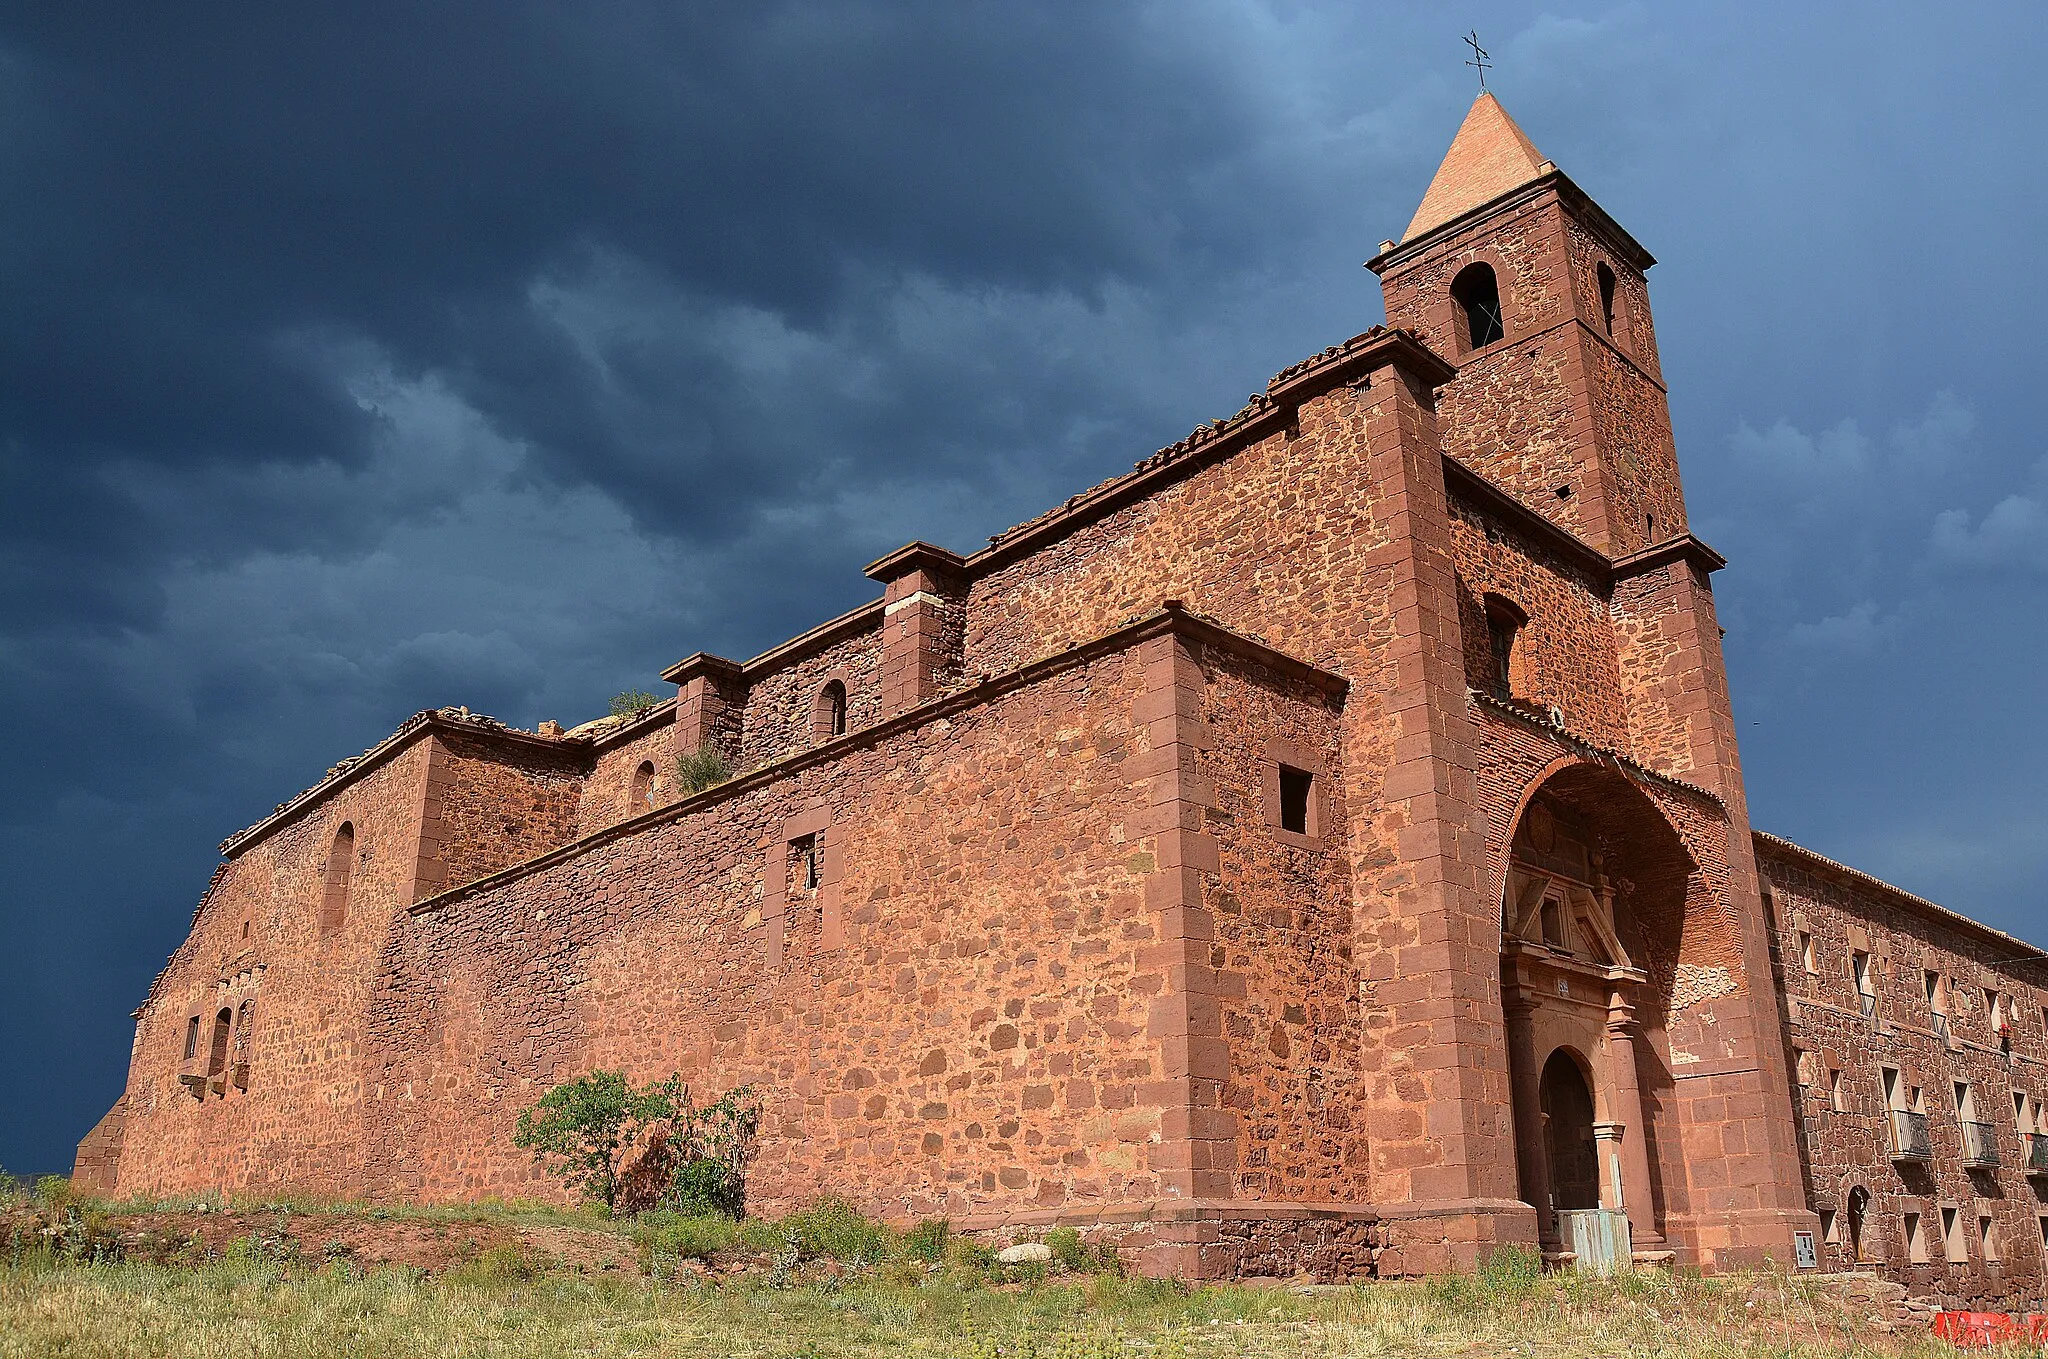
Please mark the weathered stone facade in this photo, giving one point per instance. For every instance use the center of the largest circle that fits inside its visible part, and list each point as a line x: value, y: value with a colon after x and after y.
x: 1320, y: 849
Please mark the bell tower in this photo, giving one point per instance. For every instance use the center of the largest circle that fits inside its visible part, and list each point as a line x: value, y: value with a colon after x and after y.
x: 1537, y: 296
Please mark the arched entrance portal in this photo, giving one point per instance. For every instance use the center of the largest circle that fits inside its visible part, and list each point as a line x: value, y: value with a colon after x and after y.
x: 1568, y: 1134
x: 1593, y: 904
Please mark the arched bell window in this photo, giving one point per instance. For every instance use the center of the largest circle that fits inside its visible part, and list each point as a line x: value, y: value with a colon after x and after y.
x: 1477, y: 293
x: 641, y: 796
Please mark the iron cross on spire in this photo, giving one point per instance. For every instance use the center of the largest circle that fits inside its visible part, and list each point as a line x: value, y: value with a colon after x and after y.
x: 1479, y: 60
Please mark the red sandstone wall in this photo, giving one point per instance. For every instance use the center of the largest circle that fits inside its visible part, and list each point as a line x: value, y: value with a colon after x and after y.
x: 977, y: 1042
x: 607, y: 789
x: 491, y: 803
x: 779, y: 704
x: 299, y: 1121
x: 1283, y: 938
x: 1850, y: 1146
x: 1567, y: 648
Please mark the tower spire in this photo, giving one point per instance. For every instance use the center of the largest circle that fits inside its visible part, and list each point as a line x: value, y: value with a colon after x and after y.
x: 1489, y: 156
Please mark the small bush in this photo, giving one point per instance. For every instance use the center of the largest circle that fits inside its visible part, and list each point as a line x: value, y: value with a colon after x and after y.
x: 631, y: 701
x: 835, y: 1228
x: 1072, y: 1253
x: 927, y: 1240
x: 702, y: 768
x: 706, y: 1188
x: 685, y: 1238
x: 507, y: 1262
x: 55, y: 1193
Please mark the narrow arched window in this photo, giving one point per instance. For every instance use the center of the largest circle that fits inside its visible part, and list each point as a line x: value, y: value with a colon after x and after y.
x: 217, y: 1060
x: 828, y: 712
x: 341, y: 865
x: 1605, y: 277
x: 1504, y: 624
x: 1477, y: 294
x: 642, y: 795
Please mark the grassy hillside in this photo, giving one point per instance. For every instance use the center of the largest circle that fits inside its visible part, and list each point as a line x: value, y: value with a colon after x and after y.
x: 306, y: 1281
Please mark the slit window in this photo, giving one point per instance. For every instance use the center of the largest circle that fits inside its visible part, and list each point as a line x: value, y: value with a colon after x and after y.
x: 341, y: 864
x: 1605, y: 277
x: 828, y: 711
x: 1806, y: 952
x: 1504, y: 623
x: 1477, y: 293
x: 1987, y: 1232
x: 1296, y: 785
x: 804, y: 870
x: 192, y: 1038
x: 217, y: 1059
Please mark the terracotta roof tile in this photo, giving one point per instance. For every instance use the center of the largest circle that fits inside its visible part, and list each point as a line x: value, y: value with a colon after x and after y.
x: 1488, y: 157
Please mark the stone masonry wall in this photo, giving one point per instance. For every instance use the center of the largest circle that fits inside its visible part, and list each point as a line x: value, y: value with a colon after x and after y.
x: 1847, y: 1141
x: 976, y: 1042
x: 258, y: 937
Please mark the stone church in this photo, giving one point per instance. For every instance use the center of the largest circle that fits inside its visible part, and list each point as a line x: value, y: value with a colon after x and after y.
x: 1321, y: 848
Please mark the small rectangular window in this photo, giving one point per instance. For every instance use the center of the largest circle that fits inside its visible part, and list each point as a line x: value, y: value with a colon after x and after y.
x: 1835, y: 1096
x: 1806, y: 952
x: 1295, y: 787
x: 192, y: 1038
x: 1987, y: 1232
x: 803, y: 863
x: 1916, y: 1242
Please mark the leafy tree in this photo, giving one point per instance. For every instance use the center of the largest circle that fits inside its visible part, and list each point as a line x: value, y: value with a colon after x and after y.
x: 583, y: 1130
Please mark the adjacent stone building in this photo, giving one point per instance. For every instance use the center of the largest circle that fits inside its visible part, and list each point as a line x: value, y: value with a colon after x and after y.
x: 1321, y: 848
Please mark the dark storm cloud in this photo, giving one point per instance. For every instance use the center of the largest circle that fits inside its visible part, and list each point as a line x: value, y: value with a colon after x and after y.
x: 362, y: 359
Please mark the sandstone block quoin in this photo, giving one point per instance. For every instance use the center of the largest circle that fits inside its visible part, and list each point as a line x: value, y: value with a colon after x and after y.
x: 1321, y: 850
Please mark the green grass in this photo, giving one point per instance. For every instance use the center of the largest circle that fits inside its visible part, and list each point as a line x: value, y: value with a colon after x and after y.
x: 505, y: 1304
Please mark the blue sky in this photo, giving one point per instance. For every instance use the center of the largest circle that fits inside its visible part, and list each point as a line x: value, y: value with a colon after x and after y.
x: 357, y: 363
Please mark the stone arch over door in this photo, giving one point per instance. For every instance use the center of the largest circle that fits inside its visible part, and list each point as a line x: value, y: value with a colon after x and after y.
x: 1594, y: 884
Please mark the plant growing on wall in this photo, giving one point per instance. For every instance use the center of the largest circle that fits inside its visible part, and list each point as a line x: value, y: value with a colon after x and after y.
x: 632, y: 701
x: 701, y: 768
x: 583, y: 1130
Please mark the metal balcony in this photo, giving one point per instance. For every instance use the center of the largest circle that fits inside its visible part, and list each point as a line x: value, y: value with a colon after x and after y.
x: 1909, y: 1137
x: 2037, y: 1153
x: 1980, y: 1144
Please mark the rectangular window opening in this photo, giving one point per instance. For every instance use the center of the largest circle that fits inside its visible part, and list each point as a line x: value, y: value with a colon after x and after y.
x: 1835, y: 1089
x: 1954, y: 1247
x: 1806, y: 952
x: 192, y: 1038
x: 1829, y: 1231
x: 804, y: 868
x: 1987, y: 1232
x: 1295, y: 787
x: 1916, y: 1242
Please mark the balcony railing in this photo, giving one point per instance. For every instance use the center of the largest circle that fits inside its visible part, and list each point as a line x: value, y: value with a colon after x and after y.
x: 2037, y: 1153
x: 1980, y: 1144
x: 1909, y: 1137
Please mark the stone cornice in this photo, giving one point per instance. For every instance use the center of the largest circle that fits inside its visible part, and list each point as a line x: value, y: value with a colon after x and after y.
x: 454, y: 721
x: 1684, y: 547
x: 1599, y: 754
x: 1569, y: 193
x: 2023, y: 952
x: 1171, y: 618
x: 1263, y: 415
